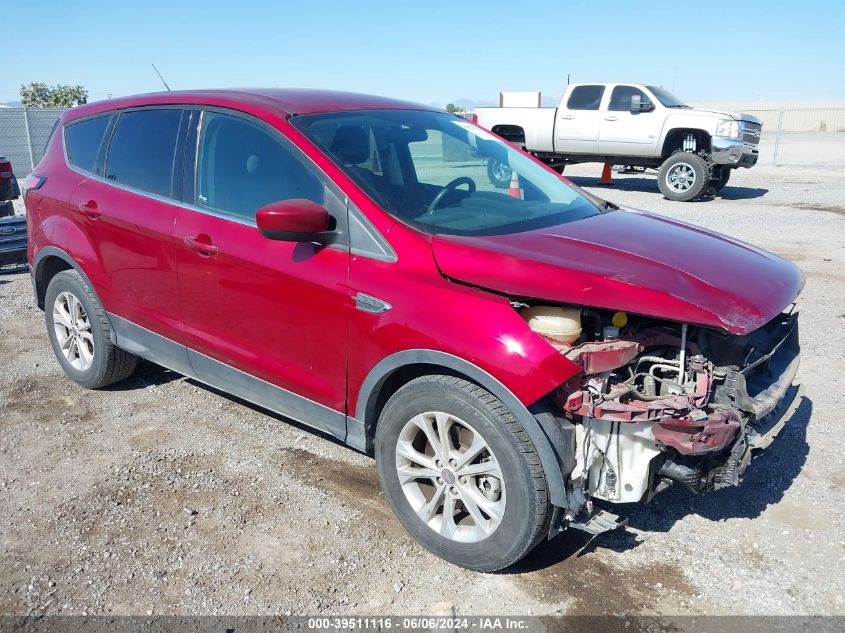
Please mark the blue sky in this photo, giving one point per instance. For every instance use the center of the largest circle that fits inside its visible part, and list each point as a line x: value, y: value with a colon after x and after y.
x: 432, y: 52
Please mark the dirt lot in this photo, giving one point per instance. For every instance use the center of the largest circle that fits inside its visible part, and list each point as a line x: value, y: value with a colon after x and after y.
x: 162, y: 496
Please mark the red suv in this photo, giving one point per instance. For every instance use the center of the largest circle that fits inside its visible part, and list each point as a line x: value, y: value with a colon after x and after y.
x: 344, y: 260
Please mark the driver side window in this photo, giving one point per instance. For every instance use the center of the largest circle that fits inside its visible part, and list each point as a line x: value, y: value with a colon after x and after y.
x: 243, y: 167
x: 620, y: 98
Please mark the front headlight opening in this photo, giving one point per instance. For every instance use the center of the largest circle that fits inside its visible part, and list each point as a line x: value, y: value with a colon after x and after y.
x: 728, y: 128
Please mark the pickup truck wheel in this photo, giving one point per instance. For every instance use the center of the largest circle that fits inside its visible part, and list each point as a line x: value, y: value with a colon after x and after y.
x: 683, y: 176
x: 461, y: 474
x: 722, y: 180
x: 499, y: 174
x: 7, y: 209
x: 80, y: 333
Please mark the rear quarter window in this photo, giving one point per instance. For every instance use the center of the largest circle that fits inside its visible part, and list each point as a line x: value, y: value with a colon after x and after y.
x: 83, y: 141
x: 143, y: 148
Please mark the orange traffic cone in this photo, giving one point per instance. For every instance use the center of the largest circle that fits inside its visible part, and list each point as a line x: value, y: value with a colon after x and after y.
x: 514, y: 190
x: 605, y: 175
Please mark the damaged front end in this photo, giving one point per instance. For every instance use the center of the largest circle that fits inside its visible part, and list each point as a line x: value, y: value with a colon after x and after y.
x: 659, y: 402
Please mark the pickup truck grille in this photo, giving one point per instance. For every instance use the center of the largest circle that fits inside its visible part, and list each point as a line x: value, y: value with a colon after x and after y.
x: 750, y: 132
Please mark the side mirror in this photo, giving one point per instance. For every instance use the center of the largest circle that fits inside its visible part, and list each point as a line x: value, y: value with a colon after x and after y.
x: 638, y: 105
x: 295, y: 220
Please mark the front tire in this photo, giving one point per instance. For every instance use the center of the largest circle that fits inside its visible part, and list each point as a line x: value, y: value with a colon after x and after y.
x: 723, y: 176
x: 80, y: 334
x: 683, y: 176
x: 7, y: 209
x: 461, y: 473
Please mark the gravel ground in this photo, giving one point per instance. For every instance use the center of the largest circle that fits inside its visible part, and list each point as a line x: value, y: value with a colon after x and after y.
x: 163, y: 496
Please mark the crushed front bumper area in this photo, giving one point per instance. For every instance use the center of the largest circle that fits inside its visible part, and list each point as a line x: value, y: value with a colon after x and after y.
x: 744, y: 395
x: 752, y: 399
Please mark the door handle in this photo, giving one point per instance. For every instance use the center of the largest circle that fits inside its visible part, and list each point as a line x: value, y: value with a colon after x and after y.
x: 90, y: 209
x: 611, y: 118
x: 203, y: 248
x: 368, y: 303
x: 567, y: 117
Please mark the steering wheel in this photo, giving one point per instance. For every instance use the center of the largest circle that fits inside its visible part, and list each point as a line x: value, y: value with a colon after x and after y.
x: 457, y: 182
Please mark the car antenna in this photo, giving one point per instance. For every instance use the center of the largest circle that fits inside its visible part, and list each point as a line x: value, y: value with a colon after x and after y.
x: 160, y: 77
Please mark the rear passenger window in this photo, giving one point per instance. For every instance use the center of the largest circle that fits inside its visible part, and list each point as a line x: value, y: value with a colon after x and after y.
x: 143, y: 148
x: 243, y: 167
x: 83, y: 141
x: 585, y: 98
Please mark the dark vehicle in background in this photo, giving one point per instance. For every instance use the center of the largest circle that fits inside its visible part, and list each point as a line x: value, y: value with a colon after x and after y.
x: 9, y: 189
x: 13, y: 239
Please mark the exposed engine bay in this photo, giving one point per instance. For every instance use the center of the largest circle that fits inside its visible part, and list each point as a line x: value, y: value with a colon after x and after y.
x: 660, y: 402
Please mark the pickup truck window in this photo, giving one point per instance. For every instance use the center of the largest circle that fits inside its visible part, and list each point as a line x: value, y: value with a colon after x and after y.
x: 667, y: 98
x: 430, y: 170
x: 585, y: 98
x: 620, y: 98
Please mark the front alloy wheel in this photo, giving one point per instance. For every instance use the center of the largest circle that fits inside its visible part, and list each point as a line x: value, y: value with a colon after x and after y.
x: 450, y: 477
x: 683, y: 176
x: 460, y: 473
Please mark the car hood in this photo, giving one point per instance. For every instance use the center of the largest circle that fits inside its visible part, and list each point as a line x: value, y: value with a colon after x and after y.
x: 632, y: 261
x: 726, y: 114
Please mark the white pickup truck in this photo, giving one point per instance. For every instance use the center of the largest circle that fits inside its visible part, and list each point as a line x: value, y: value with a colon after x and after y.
x: 694, y: 149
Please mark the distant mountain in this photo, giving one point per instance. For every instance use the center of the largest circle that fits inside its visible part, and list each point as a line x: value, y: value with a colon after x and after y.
x: 12, y: 104
x: 470, y: 104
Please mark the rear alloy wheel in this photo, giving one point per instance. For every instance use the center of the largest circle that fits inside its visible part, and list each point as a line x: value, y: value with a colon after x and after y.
x: 460, y: 473
x: 72, y: 328
x: 499, y: 174
x: 80, y: 333
x: 683, y: 176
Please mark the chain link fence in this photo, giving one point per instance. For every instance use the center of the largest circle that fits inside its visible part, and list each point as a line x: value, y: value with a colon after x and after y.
x: 795, y: 133
x: 791, y: 119
x: 24, y: 134
x: 802, y: 136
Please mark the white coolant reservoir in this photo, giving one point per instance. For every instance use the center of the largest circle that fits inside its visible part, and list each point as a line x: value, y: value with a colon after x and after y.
x: 559, y: 324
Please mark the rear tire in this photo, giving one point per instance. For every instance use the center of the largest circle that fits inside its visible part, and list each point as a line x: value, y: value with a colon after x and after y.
x: 483, y: 522
x: 683, y: 176
x: 81, y: 335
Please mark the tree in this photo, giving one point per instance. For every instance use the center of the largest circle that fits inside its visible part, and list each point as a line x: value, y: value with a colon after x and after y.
x: 452, y: 108
x: 40, y: 95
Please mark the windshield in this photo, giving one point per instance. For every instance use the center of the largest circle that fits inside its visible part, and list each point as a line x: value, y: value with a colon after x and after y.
x: 667, y: 98
x: 442, y: 174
